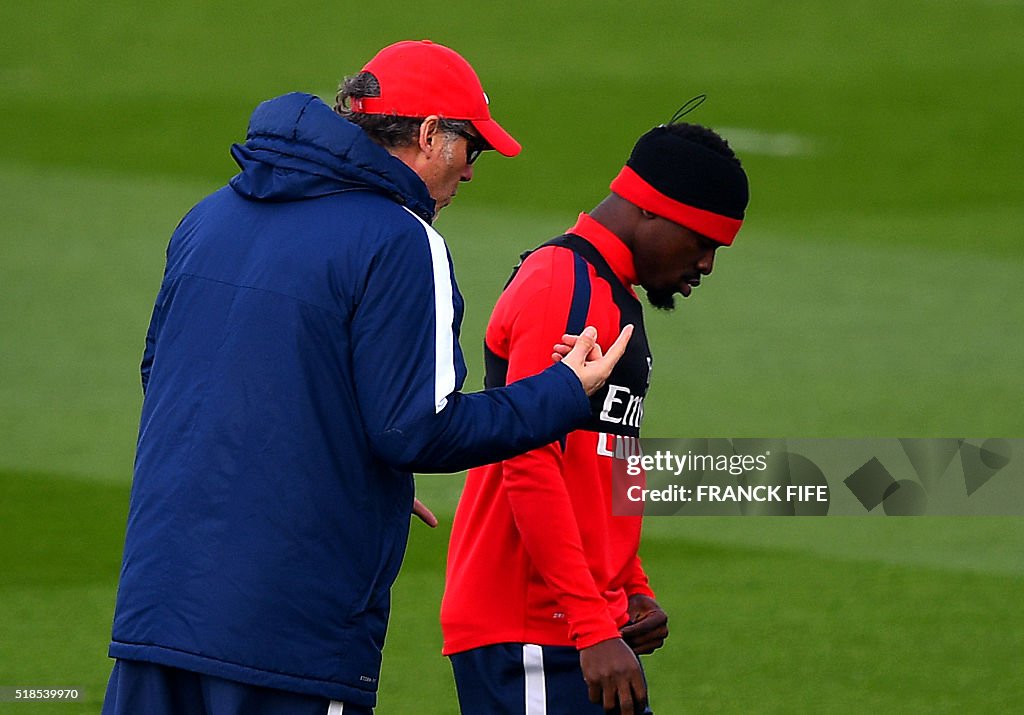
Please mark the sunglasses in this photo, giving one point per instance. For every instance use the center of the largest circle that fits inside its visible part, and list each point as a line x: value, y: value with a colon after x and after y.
x: 475, y: 146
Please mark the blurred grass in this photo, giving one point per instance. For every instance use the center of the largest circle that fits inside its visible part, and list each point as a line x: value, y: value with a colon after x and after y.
x: 60, y: 555
x: 910, y: 103
x: 873, y: 292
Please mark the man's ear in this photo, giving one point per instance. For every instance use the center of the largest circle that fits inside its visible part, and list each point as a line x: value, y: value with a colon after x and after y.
x: 430, y: 135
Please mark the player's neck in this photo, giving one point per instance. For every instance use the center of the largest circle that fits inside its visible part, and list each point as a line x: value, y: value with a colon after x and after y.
x: 618, y: 216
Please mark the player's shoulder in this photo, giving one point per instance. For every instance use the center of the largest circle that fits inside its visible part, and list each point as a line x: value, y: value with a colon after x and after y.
x: 544, y: 280
x: 547, y: 264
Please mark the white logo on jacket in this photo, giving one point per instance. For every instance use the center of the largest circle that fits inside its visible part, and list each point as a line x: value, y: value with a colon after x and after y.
x: 621, y: 407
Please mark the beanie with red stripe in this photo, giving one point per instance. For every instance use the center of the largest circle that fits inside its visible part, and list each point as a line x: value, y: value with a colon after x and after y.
x: 685, y: 181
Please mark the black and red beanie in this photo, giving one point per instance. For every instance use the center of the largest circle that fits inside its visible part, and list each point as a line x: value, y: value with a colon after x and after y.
x: 685, y: 181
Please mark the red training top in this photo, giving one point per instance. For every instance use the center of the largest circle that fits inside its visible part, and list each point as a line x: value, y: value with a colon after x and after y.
x: 536, y: 555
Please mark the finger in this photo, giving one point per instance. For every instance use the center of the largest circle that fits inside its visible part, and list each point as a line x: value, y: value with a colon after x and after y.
x: 569, y: 341
x: 645, y: 646
x: 649, y: 622
x: 645, y: 642
x: 640, y: 610
x: 652, y: 634
x: 658, y: 617
x: 633, y: 629
x: 594, y: 691
x: 639, y: 687
x: 625, y: 697
x: 619, y: 346
x: 611, y: 696
x: 560, y: 351
x: 425, y: 515
x: 583, y: 346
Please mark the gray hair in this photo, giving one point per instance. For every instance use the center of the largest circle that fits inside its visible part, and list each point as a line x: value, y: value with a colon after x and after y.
x: 388, y: 130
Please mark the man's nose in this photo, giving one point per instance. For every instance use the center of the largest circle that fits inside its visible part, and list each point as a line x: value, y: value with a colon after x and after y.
x: 707, y: 262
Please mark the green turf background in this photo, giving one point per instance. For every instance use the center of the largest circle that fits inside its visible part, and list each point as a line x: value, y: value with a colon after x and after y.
x: 874, y: 291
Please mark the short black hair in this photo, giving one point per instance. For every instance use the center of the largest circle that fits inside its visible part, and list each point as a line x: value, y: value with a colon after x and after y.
x: 388, y: 130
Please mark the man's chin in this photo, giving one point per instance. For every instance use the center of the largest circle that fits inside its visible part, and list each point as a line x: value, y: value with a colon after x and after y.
x: 662, y: 300
x: 442, y: 203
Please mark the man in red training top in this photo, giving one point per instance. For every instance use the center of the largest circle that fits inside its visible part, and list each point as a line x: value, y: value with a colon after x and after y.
x: 546, y: 601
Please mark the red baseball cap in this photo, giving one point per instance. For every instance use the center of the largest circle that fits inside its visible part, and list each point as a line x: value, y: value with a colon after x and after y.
x: 418, y: 79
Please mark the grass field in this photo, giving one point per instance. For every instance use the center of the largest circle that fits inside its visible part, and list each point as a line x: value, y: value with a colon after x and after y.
x: 874, y: 291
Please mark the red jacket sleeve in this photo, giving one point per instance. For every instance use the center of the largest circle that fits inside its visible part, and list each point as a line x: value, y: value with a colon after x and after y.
x: 536, y: 490
x: 637, y: 582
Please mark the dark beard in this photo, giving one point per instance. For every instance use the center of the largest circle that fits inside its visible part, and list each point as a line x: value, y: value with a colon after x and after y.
x: 662, y: 300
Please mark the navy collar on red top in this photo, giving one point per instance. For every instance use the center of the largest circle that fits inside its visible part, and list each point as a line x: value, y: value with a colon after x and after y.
x: 618, y: 255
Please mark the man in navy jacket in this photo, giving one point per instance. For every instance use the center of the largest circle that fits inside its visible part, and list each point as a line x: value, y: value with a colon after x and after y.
x: 302, y: 361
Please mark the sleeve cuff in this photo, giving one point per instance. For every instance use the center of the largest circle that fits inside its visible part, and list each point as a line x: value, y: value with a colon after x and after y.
x: 581, y: 404
x: 596, y: 638
x: 640, y: 589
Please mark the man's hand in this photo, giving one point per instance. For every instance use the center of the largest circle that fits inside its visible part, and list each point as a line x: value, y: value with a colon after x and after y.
x: 648, y: 625
x: 614, y: 677
x: 426, y: 516
x: 583, y: 356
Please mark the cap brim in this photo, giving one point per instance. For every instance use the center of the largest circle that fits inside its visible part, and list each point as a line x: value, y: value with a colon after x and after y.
x: 497, y: 137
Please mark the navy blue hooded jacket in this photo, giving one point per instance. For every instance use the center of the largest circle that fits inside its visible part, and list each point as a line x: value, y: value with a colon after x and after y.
x: 301, y: 362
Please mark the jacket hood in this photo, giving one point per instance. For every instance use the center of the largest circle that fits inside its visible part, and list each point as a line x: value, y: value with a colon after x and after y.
x: 299, y: 148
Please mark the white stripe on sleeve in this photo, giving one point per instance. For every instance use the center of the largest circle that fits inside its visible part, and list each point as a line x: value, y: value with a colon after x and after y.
x: 444, y: 317
x: 336, y: 708
x: 533, y: 667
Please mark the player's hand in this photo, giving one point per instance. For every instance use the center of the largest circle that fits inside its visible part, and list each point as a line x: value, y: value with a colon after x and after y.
x: 563, y: 348
x: 648, y: 625
x: 614, y: 677
x: 425, y: 515
x: 584, y: 356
